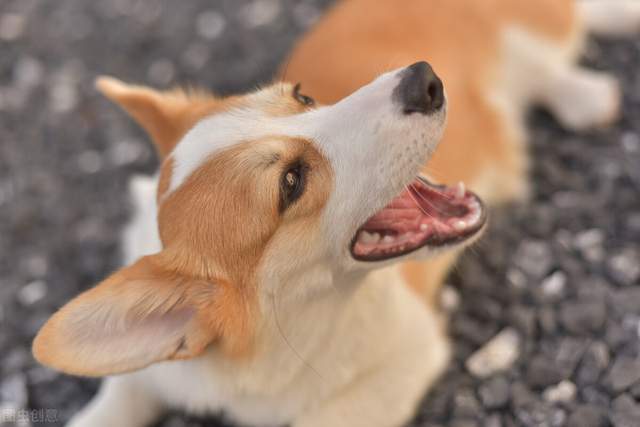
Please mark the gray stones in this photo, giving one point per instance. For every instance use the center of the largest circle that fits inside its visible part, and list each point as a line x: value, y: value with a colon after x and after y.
x: 626, y: 300
x: 624, y: 266
x: 494, y: 393
x: 624, y: 373
x: 464, y: 423
x: 161, y: 72
x: 27, y: 72
x: 547, y: 320
x: 497, y: 355
x: 260, y: 12
x: 32, y: 292
x: 543, y: 372
x: 210, y: 24
x: 11, y: 26
x: 493, y: 420
x: 523, y: 318
x: 583, y: 316
x: 126, y: 152
x: 590, y: 244
x: 465, y: 404
x: 306, y: 14
x: 553, y: 286
x: 587, y: 416
x: 63, y: 88
x: 541, y: 414
x: 13, y: 389
x: 593, y: 364
x: 625, y: 412
x: 534, y: 258
x: 563, y: 392
x: 90, y: 161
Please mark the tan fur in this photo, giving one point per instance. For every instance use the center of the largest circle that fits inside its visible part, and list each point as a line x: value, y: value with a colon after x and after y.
x: 167, y: 115
x: 460, y: 38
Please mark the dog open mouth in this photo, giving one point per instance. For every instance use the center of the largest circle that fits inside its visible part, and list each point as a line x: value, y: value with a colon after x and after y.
x: 424, y: 214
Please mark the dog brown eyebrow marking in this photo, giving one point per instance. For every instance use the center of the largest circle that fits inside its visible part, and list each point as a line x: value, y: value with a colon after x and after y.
x: 275, y: 158
x: 217, y: 225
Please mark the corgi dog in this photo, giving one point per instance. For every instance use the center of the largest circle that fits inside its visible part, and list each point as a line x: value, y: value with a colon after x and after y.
x: 282, y: 266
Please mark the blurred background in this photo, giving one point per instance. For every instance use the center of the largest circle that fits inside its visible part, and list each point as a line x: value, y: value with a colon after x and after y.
x: 556, y: 281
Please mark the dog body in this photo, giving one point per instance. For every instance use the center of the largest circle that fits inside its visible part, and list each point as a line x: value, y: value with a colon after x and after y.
x: 278, y: 306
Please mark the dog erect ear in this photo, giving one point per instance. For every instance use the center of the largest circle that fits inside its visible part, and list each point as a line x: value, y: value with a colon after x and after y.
x: 165, y: 115
x: 138, y: 316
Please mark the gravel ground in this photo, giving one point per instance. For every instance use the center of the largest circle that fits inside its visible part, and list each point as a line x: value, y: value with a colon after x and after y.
x: 555, y: 281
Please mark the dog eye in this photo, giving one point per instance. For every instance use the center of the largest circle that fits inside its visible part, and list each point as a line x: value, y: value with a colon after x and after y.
x: 291, y: 186
x: 302, y: 99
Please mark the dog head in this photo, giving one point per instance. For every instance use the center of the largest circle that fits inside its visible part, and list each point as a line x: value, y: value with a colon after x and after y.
x: 259, y: 194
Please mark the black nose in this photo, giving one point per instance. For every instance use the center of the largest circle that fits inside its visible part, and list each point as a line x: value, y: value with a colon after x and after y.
x: 420, y: 90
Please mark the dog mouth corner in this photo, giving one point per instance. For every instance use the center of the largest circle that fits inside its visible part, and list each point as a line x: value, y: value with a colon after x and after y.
x: 422, y: 215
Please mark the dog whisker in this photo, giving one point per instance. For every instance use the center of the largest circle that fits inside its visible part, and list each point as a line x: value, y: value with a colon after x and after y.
x: 286, y: 340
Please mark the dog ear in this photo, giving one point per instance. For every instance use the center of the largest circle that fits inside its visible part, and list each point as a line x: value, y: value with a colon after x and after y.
x: 165, y: 115
x: 138, y: 316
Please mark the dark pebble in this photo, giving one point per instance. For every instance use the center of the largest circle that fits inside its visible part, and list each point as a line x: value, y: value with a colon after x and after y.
x: 465, y: 404
x: 594, y: 362
x: 493, y: 420
x: 583, y: 317
x: 543, y: 371
x: 625, y: 412
x: 626, y: 300
x: 541, y: 414
x: 587, y: 416
x: 494, y: 393
x: 464, y: 423
x: 624, y: 373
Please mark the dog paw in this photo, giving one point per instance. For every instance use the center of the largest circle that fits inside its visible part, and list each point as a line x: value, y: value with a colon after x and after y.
x: 589, y: 100
x: 611, y: 18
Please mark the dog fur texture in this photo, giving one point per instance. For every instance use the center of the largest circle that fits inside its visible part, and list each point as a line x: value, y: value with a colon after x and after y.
x: 229, y: 304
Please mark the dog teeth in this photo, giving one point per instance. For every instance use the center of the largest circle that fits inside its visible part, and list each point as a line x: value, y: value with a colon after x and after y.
x: 460, y: 225
x: 388, y: 239
x: 475, y: 216
x: 460, y: 190
x: 369, y: 238
x: 475, y: 213
x: 365, y: 249
x: 424, y: 227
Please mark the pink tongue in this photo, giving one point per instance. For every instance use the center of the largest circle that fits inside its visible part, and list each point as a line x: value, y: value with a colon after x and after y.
x: 399, y: 220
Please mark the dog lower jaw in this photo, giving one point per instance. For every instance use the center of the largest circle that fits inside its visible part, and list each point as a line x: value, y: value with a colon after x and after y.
x: 423, y: 215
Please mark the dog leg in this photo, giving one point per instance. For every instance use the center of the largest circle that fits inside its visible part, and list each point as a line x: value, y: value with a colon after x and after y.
x: 581, y: 99
x: 121, y: 401
x: 386, y: 396
x: 611, y: 18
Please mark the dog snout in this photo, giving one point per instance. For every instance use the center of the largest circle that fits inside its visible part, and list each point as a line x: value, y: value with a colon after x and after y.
x: 420, y: 90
